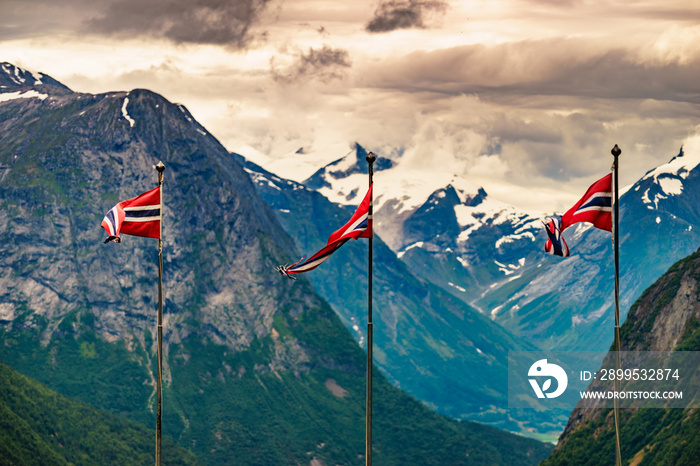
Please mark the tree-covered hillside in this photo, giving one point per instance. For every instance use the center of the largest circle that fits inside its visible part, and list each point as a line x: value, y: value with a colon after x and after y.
x: 40, y: 427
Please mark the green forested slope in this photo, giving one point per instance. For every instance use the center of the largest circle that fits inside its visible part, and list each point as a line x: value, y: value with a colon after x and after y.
x: 39, y: 426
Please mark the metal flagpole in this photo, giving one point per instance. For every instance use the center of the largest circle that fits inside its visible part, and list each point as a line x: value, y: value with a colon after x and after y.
x: 159, y: 387
x: 616, y: 246
x: 368, y: 419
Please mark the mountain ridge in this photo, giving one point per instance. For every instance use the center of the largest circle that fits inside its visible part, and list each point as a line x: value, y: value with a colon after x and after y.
x: 249, y: 358
x: 492, y: 258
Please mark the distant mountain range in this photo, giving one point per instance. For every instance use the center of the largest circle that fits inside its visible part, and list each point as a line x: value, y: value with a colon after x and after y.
x: 451, y: 233
x: 257, y: 367
x: 428, y: 342
x: 448, y: 232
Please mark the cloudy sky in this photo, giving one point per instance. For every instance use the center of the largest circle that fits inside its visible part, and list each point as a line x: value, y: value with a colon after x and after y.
x: 524, y: 97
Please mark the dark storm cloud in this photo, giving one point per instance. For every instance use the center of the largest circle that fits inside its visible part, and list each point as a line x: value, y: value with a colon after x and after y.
x: 400, y: 14
x: 323, y: 64
x: 220, y: 22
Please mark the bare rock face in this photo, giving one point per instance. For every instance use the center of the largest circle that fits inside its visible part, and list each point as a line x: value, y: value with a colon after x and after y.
x: 59, y: 179
x: 662, y: 315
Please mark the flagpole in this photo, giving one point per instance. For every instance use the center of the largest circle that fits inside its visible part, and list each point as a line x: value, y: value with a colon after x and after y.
x: 159, y: 387
x: 616, y: 246
x: 368, y: 419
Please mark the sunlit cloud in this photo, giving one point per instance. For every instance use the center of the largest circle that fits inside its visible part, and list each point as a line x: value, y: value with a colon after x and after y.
x: 523, y: 97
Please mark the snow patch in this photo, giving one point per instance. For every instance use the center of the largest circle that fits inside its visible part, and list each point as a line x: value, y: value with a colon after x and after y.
x: 343, y: 164
x: 269, y: 183
x: 457, y: 286
x: 503, y: 268
x: 671, y: 186
x: 513, y: 238
x: 184, y: 111
x: 21, y: 95
x: 510, y: 268
x: 680, y: 166
x: 418, y: 244
x: 37, y: 77
x: 20, y: 80
x: 125, y: 114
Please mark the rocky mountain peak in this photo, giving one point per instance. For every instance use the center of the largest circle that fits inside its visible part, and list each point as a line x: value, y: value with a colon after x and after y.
x: 59, y: 180
x: 14, y: 79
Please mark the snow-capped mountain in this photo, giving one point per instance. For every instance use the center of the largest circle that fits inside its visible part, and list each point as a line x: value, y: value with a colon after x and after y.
x: 446, y: 228
x: 667, y: 184
x: 489, y: 254
x: 405, y: 199
x: 568, y: 303
x: 17, y: 83
x: 430, y: 343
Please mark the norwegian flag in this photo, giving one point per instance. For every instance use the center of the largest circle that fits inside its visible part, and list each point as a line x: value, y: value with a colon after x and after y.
x: 594, y: 207
x: 555, y: 244
x: 139, y: 216
x: 359, y: 226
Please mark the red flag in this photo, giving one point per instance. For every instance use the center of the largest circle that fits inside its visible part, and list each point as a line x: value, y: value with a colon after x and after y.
x: 594, y: 207
x: 359, y: 226
x: 139, y: 216
x: 555, y: 244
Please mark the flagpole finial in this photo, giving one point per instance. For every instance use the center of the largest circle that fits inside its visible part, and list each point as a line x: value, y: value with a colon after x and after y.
x: 616, y: 151
x: 160, y: 167
x: 371, y: 157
